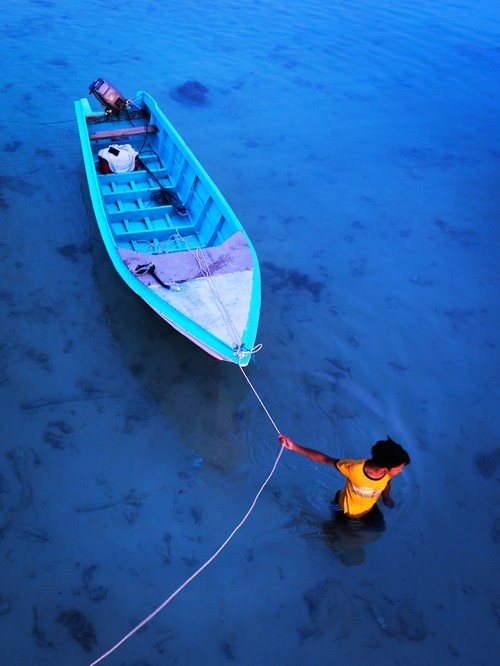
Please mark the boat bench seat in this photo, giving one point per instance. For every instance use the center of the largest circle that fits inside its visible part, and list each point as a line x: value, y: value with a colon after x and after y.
x: 139, y: 213
x: 124, y: 233
x: 123, y: 132
x: 133, y: 180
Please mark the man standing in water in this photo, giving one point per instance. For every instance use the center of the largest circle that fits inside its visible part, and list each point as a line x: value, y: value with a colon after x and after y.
x: 367, y: 479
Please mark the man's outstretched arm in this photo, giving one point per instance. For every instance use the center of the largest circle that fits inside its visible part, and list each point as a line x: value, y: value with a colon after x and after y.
x: 317, y: 456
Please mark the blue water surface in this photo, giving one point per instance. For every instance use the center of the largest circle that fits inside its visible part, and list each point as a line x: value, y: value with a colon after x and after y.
x: 359, y: 144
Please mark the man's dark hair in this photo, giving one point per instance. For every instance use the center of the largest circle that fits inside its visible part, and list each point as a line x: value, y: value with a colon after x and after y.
x: 388, y: 453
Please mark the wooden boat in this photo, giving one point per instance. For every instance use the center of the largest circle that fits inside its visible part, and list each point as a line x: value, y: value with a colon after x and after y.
x: 168, y: 230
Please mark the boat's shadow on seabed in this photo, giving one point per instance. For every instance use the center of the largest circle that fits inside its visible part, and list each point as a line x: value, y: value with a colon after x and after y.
x: 198, y: 395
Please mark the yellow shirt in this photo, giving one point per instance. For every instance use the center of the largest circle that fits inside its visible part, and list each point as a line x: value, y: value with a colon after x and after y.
x: 360, y: 493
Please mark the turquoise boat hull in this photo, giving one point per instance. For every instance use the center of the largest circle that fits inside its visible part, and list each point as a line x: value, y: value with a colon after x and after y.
x: 170, y: 233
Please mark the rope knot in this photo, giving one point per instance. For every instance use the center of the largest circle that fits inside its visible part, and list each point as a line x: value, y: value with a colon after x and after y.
x: 242, y: 352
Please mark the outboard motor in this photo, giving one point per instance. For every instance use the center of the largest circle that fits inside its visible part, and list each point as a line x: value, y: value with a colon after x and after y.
x: 108, y: 96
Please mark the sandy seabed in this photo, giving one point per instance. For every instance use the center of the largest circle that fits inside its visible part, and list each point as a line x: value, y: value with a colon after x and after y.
x: 359, y: 145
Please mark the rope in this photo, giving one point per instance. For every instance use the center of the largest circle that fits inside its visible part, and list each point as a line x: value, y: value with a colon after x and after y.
x: 219, y: 550
x: 259, y: 399
x: 162, y: 247
x: 242, y: 353
x: 203, y: 265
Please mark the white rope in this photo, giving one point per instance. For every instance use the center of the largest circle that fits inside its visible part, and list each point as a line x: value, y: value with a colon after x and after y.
x: 203, y: 265
x: 258, y: 398
x: 210, y: 559
x: 192, y: 246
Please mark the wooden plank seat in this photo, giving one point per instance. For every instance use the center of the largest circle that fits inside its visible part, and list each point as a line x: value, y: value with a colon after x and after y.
x: 138, y: 195
x: 153, y: 235
x: 129, y: 190
x: 140, y: 212
x: 140, y: 178
x: 149, y: 232
x: 123, y: 132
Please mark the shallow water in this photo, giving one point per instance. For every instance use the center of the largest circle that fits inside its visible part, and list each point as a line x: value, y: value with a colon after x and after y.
x: 359, y: 145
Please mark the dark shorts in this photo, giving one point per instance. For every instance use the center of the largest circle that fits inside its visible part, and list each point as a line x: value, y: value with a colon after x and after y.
x: 372, y: 521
